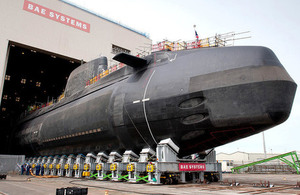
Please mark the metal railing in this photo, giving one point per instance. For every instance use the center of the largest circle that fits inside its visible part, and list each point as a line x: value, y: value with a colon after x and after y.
x: 293, y: 164
x: 219, y: 40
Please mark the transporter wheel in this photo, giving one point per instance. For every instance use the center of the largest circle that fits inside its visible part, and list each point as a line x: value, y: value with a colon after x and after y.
x: 163, y: 181
x: 175, y: 181
x: 2, y: 176
x: 170, y: 181
x: 208, y: 177
x: 216, y: 177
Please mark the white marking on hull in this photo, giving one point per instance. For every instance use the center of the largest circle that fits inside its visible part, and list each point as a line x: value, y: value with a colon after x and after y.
x: 145, y: 100
x: 145, y: 106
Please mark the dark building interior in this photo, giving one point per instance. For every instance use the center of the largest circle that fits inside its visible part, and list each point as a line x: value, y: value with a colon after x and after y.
x: 33, y: 78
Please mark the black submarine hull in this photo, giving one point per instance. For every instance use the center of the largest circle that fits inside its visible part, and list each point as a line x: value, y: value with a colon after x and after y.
x: 200, y: 98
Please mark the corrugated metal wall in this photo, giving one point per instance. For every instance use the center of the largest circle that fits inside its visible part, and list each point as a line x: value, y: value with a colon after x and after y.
x: 11, y: 163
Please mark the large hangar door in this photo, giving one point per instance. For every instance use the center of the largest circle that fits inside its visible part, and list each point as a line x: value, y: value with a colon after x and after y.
x: 33, y: 78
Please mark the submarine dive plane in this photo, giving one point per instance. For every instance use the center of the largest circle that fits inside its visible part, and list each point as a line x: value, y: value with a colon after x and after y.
x: 200, y: 98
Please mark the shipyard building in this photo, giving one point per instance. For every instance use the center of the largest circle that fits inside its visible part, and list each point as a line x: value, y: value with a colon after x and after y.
x: 271, y: 162
x: 41, y: 42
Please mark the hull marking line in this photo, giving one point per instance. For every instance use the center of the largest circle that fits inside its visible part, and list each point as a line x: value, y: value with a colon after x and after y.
x: 145, y: 106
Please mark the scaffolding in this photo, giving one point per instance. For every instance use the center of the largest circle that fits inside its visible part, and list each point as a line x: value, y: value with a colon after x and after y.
x: 219, y: 40
x: 295, y: 164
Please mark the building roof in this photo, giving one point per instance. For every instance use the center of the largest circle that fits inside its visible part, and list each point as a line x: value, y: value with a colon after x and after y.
x: 250, y: 153
x: 232, y: 153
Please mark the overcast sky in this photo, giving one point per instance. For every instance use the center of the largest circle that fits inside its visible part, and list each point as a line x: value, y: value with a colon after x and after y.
x: 273, y: 23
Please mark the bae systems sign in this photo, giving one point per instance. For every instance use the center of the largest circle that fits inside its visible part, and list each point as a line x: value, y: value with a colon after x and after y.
x: 192, y: 167
x: 56, y: 16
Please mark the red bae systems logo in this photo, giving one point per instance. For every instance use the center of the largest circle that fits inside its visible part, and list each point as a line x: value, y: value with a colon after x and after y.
x: 192, y: 167
x: 56, y: 16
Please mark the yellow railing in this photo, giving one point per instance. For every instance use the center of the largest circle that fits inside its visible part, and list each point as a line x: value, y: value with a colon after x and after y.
x: 104, y: 74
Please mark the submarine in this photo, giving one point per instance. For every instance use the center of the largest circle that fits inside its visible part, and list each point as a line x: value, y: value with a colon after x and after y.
x: 200, y: 98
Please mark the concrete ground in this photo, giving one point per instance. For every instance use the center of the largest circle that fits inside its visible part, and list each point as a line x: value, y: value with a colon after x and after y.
x: 20, y: 184
x: 277, y: 179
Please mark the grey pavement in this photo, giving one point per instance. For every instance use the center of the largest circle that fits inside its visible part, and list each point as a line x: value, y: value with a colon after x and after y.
x: 20, y: 184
